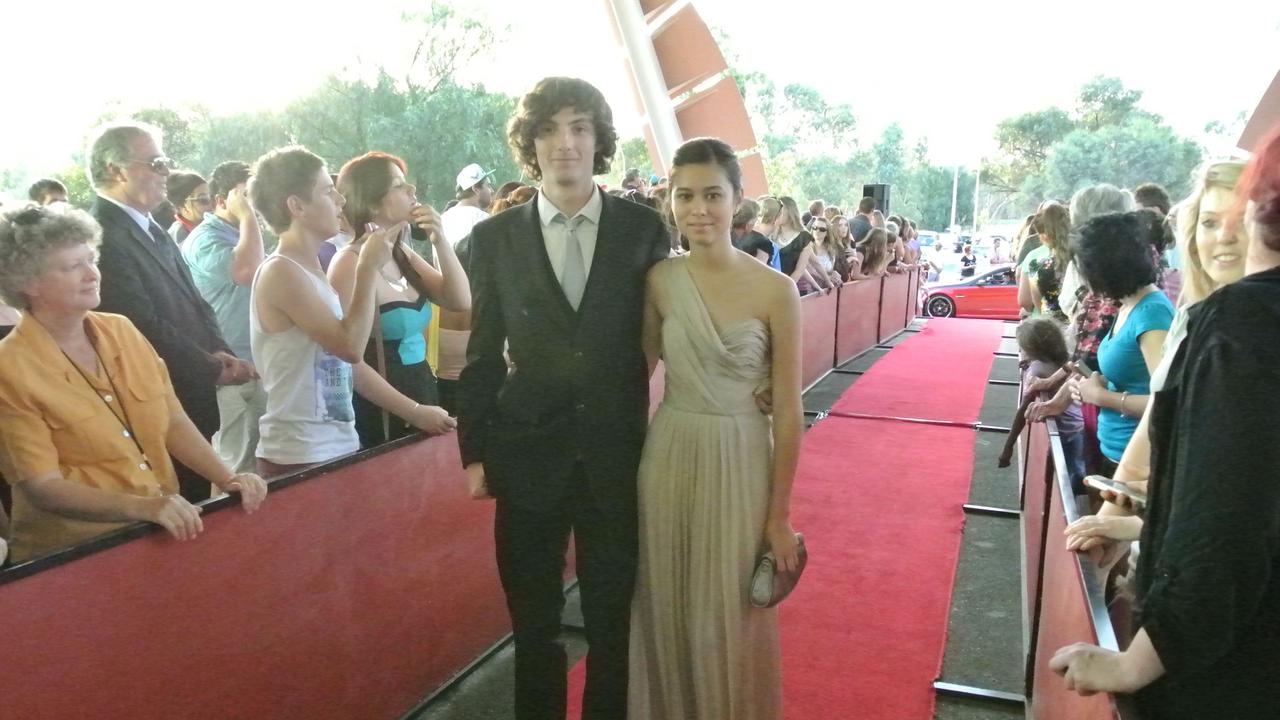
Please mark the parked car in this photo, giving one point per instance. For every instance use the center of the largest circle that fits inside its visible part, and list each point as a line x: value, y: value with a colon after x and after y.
x: 993, y: 294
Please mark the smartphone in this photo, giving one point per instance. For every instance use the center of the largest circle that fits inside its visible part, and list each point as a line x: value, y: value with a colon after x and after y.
x: 1100, y: 482
x: 1084, y: 368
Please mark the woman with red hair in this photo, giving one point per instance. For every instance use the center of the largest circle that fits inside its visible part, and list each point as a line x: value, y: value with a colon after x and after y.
x: 1208, y: 579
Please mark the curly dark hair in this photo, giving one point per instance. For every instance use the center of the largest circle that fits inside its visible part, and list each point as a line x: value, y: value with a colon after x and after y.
x: 548, y: 97
x: 1113, y: 253
x: 1042, y: 339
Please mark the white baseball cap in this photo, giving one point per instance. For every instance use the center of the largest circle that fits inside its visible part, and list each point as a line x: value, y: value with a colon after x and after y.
x: 471, y: 176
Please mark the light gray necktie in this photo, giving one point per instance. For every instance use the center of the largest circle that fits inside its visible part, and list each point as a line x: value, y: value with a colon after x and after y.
x: 573, y: 280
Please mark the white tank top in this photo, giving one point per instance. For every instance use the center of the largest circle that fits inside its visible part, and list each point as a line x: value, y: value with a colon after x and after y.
x: 309, y: 417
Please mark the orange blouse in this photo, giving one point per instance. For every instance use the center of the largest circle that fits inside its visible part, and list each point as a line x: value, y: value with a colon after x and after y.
x: 55, y: 418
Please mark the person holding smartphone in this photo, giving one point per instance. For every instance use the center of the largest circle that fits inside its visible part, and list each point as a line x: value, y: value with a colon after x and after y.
x: 396, y: 389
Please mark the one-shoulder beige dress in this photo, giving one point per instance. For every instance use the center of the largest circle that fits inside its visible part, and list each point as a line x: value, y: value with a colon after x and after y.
x: 699, y: 651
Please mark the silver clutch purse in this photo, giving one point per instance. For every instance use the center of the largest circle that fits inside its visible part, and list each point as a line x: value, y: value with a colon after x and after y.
x: 769, y: 585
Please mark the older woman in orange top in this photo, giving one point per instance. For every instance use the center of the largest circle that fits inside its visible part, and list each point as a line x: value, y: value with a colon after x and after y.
x: 88, y: 418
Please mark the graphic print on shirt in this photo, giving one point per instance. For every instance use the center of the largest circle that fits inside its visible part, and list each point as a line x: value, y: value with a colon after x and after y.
x: 333, y: 384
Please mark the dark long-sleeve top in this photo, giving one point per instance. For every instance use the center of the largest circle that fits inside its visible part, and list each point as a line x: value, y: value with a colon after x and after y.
x: 1209, y: 573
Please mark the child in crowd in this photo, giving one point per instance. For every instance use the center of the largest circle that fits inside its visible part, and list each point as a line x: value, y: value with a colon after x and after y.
x: 1044, y: 351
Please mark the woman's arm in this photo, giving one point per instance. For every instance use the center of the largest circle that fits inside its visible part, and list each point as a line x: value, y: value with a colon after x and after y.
x: 185, y: 443
x: 1089, y: 669
x: 430, y: 419
x: 788, y: 414
x: 1025, y: 298
x: 1093, y: 390
x: 285, y: 288
x: 55, y: 494
x: 651, y: 338
x: 447, y: 287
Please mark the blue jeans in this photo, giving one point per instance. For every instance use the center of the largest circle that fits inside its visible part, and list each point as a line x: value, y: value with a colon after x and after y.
x: 1073, y: 452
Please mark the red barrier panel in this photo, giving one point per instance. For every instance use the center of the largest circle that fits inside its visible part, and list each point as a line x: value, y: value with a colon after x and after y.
x: 893, y: 305
x: 1037, y: 477
x: 818, y: 318
x: 1066, y: 617
x: 348, y: 595
x: 858, y: 319
x: 358, y: 589
x: 913, y: 296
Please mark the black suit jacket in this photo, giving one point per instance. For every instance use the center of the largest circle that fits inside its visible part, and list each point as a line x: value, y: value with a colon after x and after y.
x: 146, y: 280
x: 579, y: 391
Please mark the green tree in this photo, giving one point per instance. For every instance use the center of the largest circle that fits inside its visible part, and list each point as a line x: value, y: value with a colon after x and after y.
x: 1127, y: 155
x: 634, y: 153
x: 1024, y: 143
x: 1106, y: 101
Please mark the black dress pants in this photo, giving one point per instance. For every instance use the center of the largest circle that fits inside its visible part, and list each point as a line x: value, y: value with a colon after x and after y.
x: 531, y: 544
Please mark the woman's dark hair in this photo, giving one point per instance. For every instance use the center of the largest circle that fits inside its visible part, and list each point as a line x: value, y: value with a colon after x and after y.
x: 1157, y: 228
x: 1042, y: 339
x: 548, y: 97
x: 701, y: 151
x: 179, y: 186
x: 1113, y: 253
x: 164, y: 214
x: 279, y: 175
x: 365, y: 182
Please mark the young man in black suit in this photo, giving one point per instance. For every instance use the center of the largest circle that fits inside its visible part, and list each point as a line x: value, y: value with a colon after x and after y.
x: 560, y: 281
x: 145, y: 279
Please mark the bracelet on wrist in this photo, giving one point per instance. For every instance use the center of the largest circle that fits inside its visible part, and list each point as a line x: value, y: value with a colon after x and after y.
x: 1123, y: 397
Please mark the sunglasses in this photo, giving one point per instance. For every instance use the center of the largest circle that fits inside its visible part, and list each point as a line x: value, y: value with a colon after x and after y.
x: 160, y: 164
x: 819, y: 229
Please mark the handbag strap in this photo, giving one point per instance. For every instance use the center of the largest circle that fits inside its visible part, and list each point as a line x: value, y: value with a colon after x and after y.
x: 382, y: 368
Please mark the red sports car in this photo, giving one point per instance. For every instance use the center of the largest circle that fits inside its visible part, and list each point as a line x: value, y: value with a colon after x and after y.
x: 992, y: 295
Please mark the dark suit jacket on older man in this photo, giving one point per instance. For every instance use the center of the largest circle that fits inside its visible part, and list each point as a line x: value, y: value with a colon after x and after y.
x: 145, y: 279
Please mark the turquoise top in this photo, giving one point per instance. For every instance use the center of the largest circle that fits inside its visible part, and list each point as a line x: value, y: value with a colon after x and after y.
x: 1120, y: 360
x: 406, y: 323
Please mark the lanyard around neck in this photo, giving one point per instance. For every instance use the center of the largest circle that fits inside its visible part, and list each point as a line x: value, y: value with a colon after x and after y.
x: 123, y: 416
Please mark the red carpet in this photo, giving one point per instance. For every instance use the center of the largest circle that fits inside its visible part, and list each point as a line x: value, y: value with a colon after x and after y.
x: 939, y: 374
x: 880, y: 503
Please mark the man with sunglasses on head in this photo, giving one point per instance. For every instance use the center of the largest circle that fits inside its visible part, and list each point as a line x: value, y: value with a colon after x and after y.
x: 145, y: 278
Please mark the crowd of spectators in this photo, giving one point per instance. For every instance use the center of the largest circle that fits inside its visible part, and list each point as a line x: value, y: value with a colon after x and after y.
x: 289, y: 310
x: 1151, y: 335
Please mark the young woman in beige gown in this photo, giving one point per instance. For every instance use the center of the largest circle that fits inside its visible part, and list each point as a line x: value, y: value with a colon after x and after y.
x: 716, y: 473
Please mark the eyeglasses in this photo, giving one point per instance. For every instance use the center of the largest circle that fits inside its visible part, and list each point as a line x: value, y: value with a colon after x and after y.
x: 160, y: 164
x: 201, y: 199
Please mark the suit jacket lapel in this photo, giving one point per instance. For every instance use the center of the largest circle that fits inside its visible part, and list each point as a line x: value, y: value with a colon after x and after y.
x: 536, y: 259
x: 150, y: 246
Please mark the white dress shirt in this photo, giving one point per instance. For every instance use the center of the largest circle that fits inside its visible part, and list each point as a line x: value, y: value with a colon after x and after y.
x: 556, y: 235
x: 143, y: 219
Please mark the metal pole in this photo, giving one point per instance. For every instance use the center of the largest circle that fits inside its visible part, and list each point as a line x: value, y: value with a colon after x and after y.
x: 977, y: 185
x: 955, y: 191
x: 637, y: 40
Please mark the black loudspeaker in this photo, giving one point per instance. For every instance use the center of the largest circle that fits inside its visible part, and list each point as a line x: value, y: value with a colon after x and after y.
x: 880, y: 192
